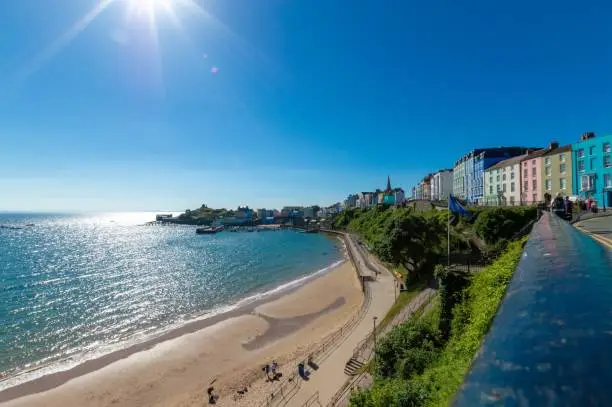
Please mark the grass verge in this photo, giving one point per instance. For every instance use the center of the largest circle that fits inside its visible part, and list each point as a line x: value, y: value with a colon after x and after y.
x: 402, y: 300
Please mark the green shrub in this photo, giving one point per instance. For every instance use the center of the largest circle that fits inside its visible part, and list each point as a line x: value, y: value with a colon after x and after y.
x: 391, y: 392
x: 401, y: 342
x: 495, y: 224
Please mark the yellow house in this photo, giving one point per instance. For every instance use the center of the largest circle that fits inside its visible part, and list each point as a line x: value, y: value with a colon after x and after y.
x: 557, y: 172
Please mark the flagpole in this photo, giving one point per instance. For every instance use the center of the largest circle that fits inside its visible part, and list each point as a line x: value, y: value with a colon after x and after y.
x: 448, y: 231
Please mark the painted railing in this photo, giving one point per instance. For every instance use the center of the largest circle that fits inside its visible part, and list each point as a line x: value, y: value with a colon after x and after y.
x: 550, y: 341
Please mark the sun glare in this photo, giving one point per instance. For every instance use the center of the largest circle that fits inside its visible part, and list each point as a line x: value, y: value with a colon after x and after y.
x: 148, y: 7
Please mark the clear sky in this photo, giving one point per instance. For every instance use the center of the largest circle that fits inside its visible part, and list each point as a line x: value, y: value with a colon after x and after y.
x: 168, y: 104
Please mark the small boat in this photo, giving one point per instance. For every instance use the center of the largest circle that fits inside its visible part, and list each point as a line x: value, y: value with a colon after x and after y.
x: 208, y: 230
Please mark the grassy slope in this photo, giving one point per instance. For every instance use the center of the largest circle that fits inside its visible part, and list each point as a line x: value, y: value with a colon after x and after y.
x: 484, y: 296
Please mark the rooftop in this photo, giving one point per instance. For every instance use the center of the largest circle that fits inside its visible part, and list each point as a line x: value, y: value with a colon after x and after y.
x: 561, y: 149
x: 508, y: 162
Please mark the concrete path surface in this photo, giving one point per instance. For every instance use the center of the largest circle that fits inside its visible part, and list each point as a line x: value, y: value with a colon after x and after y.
x: 330, y: 376
x: 599, y: 228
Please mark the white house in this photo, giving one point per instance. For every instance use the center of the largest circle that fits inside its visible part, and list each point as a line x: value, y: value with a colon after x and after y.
x: 441, y: 185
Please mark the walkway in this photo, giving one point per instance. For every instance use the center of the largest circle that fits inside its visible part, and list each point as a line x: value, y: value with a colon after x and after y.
x: 599, y: 228
x: 330, y: 376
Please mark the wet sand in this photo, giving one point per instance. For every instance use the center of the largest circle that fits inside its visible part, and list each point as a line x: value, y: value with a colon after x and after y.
x: 176, y: 368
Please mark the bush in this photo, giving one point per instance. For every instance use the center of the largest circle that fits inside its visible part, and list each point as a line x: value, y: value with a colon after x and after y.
x: 410, y: 342
x: 494, y: 224
x: 390, y: 393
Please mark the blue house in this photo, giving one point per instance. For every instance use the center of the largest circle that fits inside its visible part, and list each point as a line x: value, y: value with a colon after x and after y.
x: 592, y: 169
x: 478, y: 161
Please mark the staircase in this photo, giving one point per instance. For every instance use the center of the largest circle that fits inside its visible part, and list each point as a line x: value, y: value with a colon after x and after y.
x: 352, y: 367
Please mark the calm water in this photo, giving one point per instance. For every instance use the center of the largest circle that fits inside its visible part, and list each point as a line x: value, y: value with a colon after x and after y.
x: 74, y: 287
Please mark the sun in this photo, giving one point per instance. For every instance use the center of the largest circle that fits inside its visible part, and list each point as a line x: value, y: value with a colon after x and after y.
x: 148, y: 7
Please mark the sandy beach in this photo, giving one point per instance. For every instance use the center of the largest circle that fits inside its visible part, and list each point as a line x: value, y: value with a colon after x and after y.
x: 176, y: 369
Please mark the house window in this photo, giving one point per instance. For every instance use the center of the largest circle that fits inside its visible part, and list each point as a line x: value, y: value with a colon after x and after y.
x: 533, y: 163
x: 548, y: 185
x: 497, y: 178
x: 504, y: 188
x: 526, y: 185
x: 547, y: 171
x: 498, y: 187
x: 533, y: 172
x: 607, y: 161
x: 581, y: 165
x: 562, y: 168
x: 607, y: 180
x: 490, y: 189
x: 592, y: 163
x: 504, y: 177
x: 525, y: 164
x: 587, y: 183
x: 580, y: 153
x: 525, y: 173
x: 592, y: 150
x: 563, y: 183
x: 606, y: 148
x: 562, y: 158
x: 534, y: 185
x: 491, y: 179
x: 512, y: 187
x: 534, y: 198
x: 547, y: 161
x: 512, y: 175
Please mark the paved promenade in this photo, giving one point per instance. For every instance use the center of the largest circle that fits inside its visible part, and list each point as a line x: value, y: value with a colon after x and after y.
x: 330, y: 376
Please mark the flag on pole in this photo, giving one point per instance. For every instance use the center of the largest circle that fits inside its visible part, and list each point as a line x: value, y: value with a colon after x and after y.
x: 455, y: 207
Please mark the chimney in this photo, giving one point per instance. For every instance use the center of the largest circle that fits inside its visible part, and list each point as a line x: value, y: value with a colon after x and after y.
x: 553, y: 144
x: 587, y: 135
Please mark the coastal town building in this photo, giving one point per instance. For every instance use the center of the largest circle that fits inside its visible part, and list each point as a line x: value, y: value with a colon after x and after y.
x: 310, y: 212
x: 399, y: 196
x: 557, y: 172
x: 468, y: 173
x: 459, y: 187
x: 351, y: 201
x: 592, y: 173
x: 441, y: 185
x: 426, y: 193
x: 531, y: 177
x: 503, y: 182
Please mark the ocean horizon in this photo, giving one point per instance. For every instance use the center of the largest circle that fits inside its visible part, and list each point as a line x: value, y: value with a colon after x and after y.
x: 74, y: 287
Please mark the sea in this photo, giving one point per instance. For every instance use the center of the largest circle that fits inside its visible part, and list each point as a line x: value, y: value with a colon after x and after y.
x: 76, y: 287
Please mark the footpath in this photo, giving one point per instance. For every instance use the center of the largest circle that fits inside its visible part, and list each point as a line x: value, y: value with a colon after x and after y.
x: 324, y: 382
x: 330, y: 376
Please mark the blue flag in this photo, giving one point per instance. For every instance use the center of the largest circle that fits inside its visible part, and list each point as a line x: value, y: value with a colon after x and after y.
x: 455, y: 207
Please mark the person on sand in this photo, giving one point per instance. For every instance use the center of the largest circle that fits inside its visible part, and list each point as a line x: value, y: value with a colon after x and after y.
x: 273, y: 368
x: 266, y: 369
x: 211, y: 396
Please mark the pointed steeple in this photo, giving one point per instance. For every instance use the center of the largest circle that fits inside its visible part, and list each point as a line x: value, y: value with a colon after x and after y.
x: 388, y: 184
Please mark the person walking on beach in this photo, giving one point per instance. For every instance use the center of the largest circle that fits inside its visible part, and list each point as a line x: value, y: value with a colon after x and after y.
x: 273, y: 368
x: 267, y: 370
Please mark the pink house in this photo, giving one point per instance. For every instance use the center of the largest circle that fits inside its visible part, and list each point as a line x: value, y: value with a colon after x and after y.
x: 532, y: 176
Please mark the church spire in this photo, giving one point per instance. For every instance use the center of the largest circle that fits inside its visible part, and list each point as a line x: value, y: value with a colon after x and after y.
x: 388, y: 183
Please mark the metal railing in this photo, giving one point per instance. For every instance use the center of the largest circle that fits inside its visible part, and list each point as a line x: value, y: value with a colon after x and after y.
x: 312, y: 400
x: 322, y: 351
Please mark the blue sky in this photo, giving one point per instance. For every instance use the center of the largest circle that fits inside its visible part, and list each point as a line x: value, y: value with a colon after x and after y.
x: 312, y: 99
